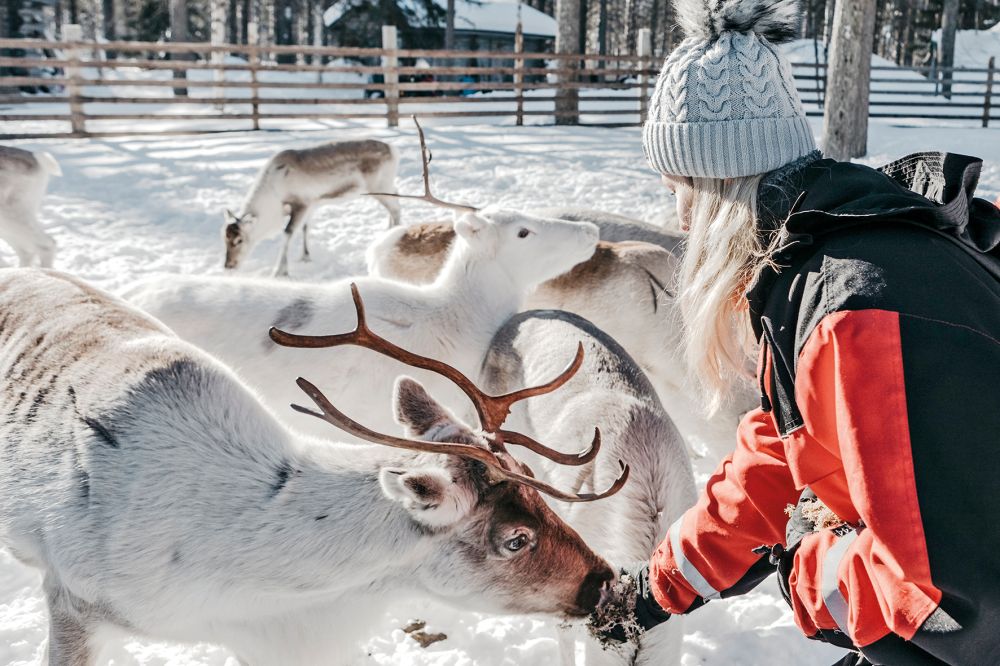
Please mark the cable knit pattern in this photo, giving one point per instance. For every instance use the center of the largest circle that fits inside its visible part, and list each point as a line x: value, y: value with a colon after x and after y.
x: 725, y: 107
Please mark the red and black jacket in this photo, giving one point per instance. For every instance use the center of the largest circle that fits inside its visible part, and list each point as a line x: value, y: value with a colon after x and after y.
x: 880, y: 375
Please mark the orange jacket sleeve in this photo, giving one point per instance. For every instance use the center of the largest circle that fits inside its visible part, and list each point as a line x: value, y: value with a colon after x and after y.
x: 710, y: 548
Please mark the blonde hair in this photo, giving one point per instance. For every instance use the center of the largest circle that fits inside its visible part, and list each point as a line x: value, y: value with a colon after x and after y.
x: 725, y: 252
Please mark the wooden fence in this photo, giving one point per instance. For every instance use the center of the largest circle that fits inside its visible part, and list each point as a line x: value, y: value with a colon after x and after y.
x: 115, y: 88
x: 86, y: 90
x: 913, y: 92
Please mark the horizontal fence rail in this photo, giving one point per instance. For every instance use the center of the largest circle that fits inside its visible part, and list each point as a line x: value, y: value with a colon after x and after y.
x: 74, y: 88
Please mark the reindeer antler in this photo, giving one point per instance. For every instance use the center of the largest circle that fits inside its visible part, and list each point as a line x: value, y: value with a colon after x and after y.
x: 425, y: 156
x: 492, y: 410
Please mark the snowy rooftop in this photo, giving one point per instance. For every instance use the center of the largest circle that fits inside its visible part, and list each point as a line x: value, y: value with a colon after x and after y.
x: 481, y: 16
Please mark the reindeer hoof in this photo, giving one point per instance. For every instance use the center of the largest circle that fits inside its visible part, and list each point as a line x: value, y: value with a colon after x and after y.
x: 306, y: 259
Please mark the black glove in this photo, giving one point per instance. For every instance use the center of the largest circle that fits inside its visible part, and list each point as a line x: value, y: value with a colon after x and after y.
x: 641, y: 616
x: 800, y: 524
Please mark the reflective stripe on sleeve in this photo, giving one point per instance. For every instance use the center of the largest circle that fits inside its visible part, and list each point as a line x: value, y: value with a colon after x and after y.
x: 830, y: 586
x: 687, y: 569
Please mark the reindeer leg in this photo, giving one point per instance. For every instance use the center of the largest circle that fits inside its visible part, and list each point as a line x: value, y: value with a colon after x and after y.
x: 305, y: 243
x: 70, y: 636
x: 295, y: 221
x: 392, y: 205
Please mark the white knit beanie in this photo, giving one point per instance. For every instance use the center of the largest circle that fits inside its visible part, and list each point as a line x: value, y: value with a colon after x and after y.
x: 725, y: 104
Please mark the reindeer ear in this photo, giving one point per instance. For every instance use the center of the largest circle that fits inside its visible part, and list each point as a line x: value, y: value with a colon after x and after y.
x: 423, y: 417
x: 469, y: 225
x: 430, y: 495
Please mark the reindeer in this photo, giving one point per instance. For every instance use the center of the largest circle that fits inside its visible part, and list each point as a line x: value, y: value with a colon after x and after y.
x: 626, y: 289
x: 300, y: 180
x: 610, y: 389
x: 24, y: 177
x: 498, y: 258
x: 157, y: 495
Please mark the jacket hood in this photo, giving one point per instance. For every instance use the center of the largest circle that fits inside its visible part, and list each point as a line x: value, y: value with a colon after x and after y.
x: 932, y: 190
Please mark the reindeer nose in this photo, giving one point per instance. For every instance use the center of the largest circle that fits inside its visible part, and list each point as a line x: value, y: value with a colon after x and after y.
x: 595, y: 588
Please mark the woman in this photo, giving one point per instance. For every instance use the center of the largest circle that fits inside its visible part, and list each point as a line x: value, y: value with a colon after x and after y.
x: 869, y: 302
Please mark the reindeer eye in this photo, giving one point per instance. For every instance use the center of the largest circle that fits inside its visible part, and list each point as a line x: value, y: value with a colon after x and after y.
x: 517, y: 543
x: 523, y: 233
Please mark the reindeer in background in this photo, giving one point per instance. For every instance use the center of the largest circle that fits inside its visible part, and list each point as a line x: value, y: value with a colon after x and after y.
x: 24, y: 177
x: 300, y: 180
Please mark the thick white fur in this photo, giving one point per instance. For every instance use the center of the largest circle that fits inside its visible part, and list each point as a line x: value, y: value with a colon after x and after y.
x: 776, y: 20
x: 609, y: 391
x: 485, y: 281
x: 294, y: 182
x: 24, y: 177
x: 158, y: 496
x: 628, y: 293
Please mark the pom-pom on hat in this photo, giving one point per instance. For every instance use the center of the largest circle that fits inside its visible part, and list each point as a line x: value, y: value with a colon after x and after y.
x: 725, y: 103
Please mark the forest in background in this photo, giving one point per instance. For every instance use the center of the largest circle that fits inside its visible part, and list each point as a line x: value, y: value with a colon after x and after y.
x: 903, y: 28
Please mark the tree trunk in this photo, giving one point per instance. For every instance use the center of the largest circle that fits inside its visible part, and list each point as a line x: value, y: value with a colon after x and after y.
x: 828, y: 21
x: 845, y: 118
x: 567, y: 41
x: 449, y: 25
x: 949, y: 24
x: 179, y: 33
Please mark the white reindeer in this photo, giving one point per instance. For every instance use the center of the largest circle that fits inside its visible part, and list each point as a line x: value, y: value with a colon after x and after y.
x: 24, y: 177
x: 498, y: 257
x: 612, y: 390
x: 626, y: 288
x: 157, y: 496
x: 297, y: 181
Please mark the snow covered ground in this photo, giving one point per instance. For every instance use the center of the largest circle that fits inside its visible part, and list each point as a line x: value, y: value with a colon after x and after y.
x: 131, y: 207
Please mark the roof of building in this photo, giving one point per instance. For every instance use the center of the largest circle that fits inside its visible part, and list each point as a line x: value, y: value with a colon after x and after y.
x: 482, y: 16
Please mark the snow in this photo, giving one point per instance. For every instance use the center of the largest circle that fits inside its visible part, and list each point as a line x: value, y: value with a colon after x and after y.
x: 974, y: 48
x: 481, y: 16
x: 135, y: 206
x: 900, y: 91
x: 498, y: 16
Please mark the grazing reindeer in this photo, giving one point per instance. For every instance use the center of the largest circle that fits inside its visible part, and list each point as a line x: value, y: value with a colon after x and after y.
x: 498, y: 258
x: 303, y: 179
x: 24, y: 177
x: 612, y: 390
x: 158, y: 496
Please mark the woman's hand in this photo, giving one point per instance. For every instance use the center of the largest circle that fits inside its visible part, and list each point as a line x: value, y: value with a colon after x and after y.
x: 631, y: 610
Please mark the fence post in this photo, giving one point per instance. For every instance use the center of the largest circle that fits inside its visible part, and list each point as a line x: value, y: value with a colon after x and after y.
x: 519, y: 72
x: 644, y: 46
x: 254, y: 61
x: 217, y: 58
x: 390, y: 74
x: 74, y: 33
x: 989, y: 92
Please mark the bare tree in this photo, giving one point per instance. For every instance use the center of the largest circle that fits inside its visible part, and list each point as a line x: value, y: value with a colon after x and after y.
x: 567, y: 41
x: 829, y: 10
x: 949, y: 24
x: 179, y: 33
x: 845, y: 118
x: 449, y: 25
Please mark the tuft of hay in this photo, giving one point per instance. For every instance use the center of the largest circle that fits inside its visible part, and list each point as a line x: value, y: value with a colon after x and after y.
x: 616, y: 615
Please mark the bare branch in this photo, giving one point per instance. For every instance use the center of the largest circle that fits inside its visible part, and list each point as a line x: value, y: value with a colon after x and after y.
x: 425, y: 157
